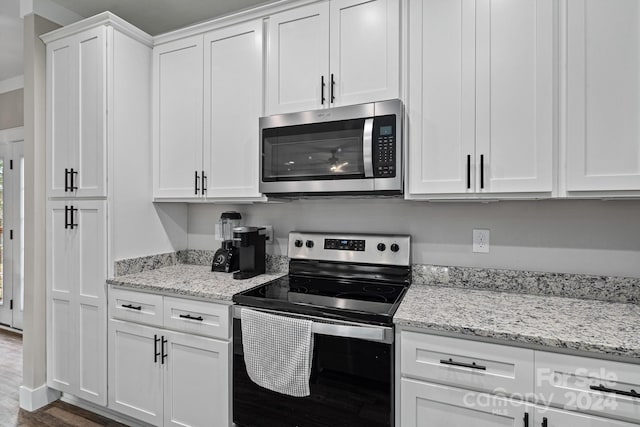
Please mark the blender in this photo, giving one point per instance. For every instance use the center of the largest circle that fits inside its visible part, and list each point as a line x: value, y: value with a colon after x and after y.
x: 226, y: 258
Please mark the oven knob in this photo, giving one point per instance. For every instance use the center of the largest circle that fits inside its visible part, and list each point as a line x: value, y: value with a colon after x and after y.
x: 395, y: 247
x: 381, y: 247
x: 309, y: 244
x: 298, y: 243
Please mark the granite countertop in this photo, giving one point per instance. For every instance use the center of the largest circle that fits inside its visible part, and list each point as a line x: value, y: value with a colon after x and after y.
x: 600, y: 327
x: 197, y: 281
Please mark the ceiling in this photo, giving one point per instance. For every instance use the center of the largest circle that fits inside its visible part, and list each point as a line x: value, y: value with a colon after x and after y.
x: 152, y: 16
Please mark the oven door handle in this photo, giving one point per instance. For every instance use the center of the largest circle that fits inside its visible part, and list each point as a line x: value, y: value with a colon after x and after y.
x: 348, y: 331
x: 367, y: 148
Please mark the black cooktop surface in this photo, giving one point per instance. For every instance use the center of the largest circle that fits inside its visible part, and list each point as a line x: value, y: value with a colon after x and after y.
x: 365, y: 301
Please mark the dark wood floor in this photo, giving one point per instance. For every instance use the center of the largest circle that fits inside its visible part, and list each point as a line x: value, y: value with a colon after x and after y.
x: 58, y: 414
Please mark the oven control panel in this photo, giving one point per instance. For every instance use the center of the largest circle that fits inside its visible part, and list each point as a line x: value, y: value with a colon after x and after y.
x: 344, y: 244
x: 388, y: 249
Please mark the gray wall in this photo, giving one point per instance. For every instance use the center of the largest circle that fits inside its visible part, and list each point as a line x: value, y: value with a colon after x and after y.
x: 571, y: 236
x: 12, y: 109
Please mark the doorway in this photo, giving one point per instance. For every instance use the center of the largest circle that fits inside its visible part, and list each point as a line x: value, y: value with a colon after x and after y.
x: 11, y: 234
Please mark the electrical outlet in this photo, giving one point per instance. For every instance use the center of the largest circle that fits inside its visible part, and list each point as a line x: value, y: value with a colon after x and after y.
x: 481, y: 241
x: 269, y: 234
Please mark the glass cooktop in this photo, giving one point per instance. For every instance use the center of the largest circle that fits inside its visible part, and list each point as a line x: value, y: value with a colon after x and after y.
x: 339, y: 299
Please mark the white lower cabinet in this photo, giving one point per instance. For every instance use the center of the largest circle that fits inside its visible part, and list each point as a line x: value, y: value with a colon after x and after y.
x: 165, y: 377
x: 425, y: 405
x: 456, y: 382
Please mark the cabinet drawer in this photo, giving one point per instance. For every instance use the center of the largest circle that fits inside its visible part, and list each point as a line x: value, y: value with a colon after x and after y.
x: 472, y: 365
x: 197, y: 317
x: 589, y: 385
x: 135, y: 306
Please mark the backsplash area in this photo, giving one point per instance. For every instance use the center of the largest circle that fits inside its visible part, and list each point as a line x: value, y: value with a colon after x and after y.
x: 604, y: 288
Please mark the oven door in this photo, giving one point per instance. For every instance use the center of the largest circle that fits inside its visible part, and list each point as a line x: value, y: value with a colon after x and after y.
x: 351, y: 384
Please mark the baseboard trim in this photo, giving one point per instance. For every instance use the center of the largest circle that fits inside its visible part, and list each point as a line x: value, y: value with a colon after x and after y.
x: 101, y: 410
x: 32, y: 399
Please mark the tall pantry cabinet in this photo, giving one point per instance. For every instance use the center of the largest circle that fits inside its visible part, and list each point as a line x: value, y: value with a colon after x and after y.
x: 98, y: 120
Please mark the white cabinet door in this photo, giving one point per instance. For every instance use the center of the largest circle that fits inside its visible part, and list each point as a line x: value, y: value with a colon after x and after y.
x: 177, y: 118
x: 76, y: 115
x: 481, y: 97
x: 441, y: 100
x: 76, y: 327
x: 514, y: 95
x: 556, y: 418
x: 233, y: 104
x: 425, y: 405
x: 603, y: 95
x: 298, y: 59
x: 364, y: 51
x: 197, y: 381
x: 135, y: 371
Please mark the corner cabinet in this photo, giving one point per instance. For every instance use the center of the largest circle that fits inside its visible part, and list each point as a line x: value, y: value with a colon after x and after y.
x: 481, y: 98
x: 333, y: 53
x: 98, y: 180
x: 178, y: 351
x: 207, y: 100
x: 602, y: 96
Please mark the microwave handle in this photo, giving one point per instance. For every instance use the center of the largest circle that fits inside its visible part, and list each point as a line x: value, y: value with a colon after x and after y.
x: 367, y: 148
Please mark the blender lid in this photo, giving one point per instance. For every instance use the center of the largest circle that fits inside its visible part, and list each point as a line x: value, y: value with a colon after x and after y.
x: 230, y: 215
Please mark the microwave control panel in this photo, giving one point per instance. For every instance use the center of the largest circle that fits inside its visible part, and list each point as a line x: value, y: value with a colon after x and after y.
x: 384, y: 147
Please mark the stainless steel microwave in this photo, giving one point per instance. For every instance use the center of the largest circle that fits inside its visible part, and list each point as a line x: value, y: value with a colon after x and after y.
x: 352, y: 150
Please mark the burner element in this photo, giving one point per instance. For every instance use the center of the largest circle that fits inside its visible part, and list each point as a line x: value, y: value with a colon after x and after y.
x: 363, y: 296
x: 379, y: 289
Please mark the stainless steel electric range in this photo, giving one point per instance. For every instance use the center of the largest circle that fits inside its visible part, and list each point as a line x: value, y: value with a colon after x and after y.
x: 350, y: 286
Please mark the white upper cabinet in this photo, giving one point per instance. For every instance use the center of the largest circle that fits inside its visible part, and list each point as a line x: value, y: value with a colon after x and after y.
x: 233, y: 104
x: 208, y: 98
x: 481, y: 97
x: 177, y: 118
x: 603, y: 95
x: 76, y: 115
x: 333, y: 53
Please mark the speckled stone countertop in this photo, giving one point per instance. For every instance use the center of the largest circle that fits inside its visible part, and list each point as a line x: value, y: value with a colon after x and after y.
x: 196, y: 281
x: 599, y: 327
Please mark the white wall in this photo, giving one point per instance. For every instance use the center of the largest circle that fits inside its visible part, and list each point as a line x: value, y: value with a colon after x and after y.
x: 565, y: 236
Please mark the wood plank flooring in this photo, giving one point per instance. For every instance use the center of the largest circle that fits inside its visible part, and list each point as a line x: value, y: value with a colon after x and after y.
x: 57, y: 414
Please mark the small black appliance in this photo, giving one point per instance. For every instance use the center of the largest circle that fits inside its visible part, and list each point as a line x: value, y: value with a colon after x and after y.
x: 226, y: 258
x: 250, y: 243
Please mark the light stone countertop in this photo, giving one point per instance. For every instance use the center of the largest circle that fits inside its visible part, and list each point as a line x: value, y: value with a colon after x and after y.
x: 196, y: 281
x: 598, y: 327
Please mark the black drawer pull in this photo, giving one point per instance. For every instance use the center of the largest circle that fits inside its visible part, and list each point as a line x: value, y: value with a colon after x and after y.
x: 190, y: 317
x: 604, y: 389
x: 544, y: 422
x: 472, y: 365
x: 132, y: 307
x: 526, y: 419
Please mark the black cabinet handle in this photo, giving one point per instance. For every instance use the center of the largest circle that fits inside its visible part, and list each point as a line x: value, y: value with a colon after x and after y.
x: 164, y: 355
x: 66, y: 180
x: 72, y: 223
x: 544, y: 421
x: 190, y: 317
x: 197, y: 180
x: 481, y: 170
x: 132, y: 307
x: 631, y: 393
x: 73, y: 180
x: 526, y: 419
x: 155, y: 348
x: 468, y: 171
x: 204, y: 183
x: 464, y: 365
x: 333, y: 85
x: 66, y: 216
x: 322, y: 86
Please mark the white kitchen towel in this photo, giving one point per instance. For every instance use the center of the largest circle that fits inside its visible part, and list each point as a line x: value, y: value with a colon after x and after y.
x: 278, y: 351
